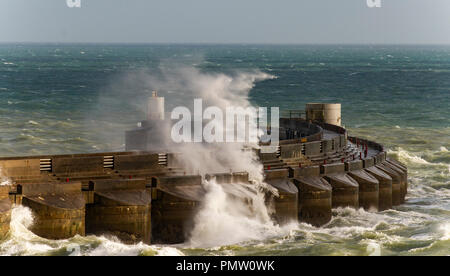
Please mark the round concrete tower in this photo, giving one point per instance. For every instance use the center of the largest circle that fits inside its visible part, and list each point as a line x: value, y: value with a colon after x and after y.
x: 155, y: 107
x: 329, y: 113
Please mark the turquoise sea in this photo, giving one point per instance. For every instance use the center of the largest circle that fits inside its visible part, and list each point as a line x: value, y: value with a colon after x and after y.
x: 73, y: 98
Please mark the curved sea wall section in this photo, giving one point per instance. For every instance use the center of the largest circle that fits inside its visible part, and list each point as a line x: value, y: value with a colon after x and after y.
x: 148, y: 197
x: 337, y: 170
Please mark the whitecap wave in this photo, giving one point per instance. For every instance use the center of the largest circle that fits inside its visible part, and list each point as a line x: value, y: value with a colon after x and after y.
x: 445, y: 229
x: 22, y: 241
x: 408, y: 157
x: 233, y: 215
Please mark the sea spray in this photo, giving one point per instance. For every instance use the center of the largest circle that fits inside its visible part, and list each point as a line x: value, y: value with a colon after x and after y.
x: 22, y: 241
x: 218, y: 90
x: 230, y: 213
x: 407, y: 157
x: 432, y: 165
x: 4, y: 181
x: 233, y: 213
x: 445, y: 228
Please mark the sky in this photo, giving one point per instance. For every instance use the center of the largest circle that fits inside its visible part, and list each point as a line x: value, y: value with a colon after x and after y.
x: 227, y: 21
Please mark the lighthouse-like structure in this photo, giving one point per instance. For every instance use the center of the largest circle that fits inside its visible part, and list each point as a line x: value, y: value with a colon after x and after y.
x: 155, y: 108
x: 151, y: 133
x: 329, y: 113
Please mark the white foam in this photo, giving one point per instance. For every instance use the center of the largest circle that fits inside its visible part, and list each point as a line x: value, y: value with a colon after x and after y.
x: 4, y: 181
x: 236, y: 215
x: 445, y: 229
x: 113, y: 247
x: 22, y: 241
x: 408, y: 157
x: 33, y: 122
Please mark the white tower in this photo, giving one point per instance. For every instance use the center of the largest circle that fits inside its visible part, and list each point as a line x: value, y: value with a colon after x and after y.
x: 322, y: 112
x: 155, y: 107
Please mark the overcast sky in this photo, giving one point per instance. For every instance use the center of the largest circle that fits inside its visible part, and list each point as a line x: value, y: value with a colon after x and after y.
x: 226, y: 21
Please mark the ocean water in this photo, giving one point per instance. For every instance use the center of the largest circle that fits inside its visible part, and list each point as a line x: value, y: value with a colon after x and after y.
x: 58, y: 99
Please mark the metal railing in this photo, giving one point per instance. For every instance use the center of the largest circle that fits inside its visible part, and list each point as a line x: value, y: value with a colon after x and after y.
x: 293, y: 114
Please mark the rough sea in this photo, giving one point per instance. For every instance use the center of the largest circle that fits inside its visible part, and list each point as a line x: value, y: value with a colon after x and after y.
x: 63, y: 98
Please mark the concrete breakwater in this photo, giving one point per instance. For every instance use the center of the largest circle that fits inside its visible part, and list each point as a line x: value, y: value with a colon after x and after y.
x: 149, y: 197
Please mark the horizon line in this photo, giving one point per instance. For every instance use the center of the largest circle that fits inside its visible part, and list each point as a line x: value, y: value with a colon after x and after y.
x: 223, y: 43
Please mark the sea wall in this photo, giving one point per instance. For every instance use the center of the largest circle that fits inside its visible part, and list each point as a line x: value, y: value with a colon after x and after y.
x: 148, y: 197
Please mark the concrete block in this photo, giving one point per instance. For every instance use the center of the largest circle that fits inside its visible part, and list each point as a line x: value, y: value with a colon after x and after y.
x: 136, y: 162
x: 327, y: 146
x: 314, y: 200
x: 183, y: 180
x: 368, y: 162
x: 77, y: 166
x: 385, y: 187
x: 286, y: 203
x: 396, y: 183
x: 306, y: 171
x: 403, y: 179
x: 345, y: 190
x: 404, y: 171
x: 120, y: 184
x: 337, y: 143
x: 290, y: 151
x: 312, y: 148
x: 34, y: 189
x: 354, y: 165
x: 20, y: 168
x: 332, y: 168
x: 57, y: 216
x: 342, y: 141
x: 177, y: 201
x: 368, y: 189
x: 276, y: 174
x: 123, y: 213
x: 173, y: 216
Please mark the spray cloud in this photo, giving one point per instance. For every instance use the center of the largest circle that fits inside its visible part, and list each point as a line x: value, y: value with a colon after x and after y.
x: 230, y: 213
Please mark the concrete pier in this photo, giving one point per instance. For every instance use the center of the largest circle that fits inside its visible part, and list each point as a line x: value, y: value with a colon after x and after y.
x: 368, y: 185
x: 58, y: 209
x: 146, y: 196
x: 404, y: 173
x: 286, y: 203
x: 396, y: 183
x: 385, y: 187
x: 121, y: 207
x: 314, y: 196
x: 345, y: 189
x: 176, y: 200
